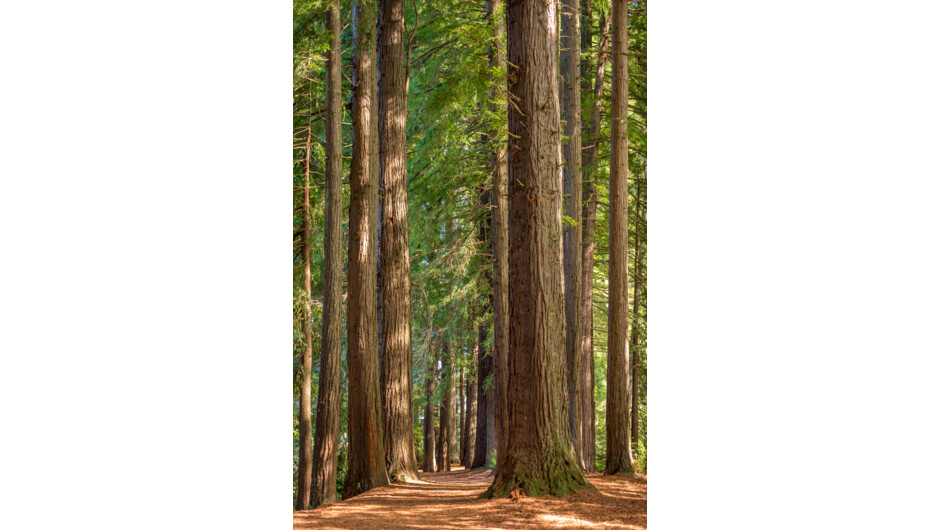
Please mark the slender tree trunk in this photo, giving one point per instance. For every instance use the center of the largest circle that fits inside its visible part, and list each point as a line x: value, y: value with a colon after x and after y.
x: 540, y: 458
x: 571, y: 67
x: 619, y: 452
x: 485, y: 440
x: 429, y: 438
x: 444, y: 441
x: 461, y: 405
x: 305, y: 460
x: 328, y: 397
x: 470, y: 420
x: 639, y: 285
x: 589, y: 218
x: 451, y: 404
x: 396, y: 260
x: 500, y: 229
x: 366, y: 447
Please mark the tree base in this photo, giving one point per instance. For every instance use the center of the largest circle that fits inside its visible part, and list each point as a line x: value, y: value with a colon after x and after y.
x: 557, y: 476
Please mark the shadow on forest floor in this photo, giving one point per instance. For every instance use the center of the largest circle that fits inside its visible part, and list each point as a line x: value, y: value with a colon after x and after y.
x: 450, y: 500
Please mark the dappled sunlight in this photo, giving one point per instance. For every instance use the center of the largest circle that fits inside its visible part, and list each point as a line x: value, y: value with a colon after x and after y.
x: 451, y: 500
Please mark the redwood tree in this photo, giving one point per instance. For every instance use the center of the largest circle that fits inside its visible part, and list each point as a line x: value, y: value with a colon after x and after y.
x: 328, y: 398
x: 539, y: 458
x: 397, y: 390
x: 571, y: 109
x: 619, y: 452
x: 366, y: 447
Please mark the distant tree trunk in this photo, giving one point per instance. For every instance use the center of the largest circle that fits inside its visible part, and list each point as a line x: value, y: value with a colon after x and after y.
x: 500, y: 233
x: 461, y: 405
x: 470, y: 419
x: 619, y: 452
x: 571, y: 67
x: 328, y: 398
x: 305, y: 459
x: 485, y: 437
x: 366, y: 447
x: 447, y: 410
x: 429, y: 438
x: 587, y: 252
x: 634, y: 332
x: 452, y: 456
x: 540, y: 458
x: 396, y: 260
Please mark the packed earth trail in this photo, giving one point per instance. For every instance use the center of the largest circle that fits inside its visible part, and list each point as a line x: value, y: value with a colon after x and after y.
x: 451, y: 500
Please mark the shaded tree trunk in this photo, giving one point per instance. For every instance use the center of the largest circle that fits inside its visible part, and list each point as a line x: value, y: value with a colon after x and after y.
x: 500, y: 232
x: 639, y: 285
x: 429, y: 438
x: 540, y: 458
x: 366, y: 445
x: 305, y: 458
x: 589, y: 218
x: 447, y: 410
x: 571, y: 181
x: 396, y: 261
x: 619, y: 452
x: 470, y: 419
x: 328, y: 398
x: 451, y: 397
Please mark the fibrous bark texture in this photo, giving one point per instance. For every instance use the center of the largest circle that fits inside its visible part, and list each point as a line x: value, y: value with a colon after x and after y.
x: 366, y: 447
x: 500, y: 230
x: 485, y: 438
x: 619, y: 452
x: 396, y: 261
x: 571, y: 178
x: 589, y: 218
x: 540, y: 458
x: 328, y: 398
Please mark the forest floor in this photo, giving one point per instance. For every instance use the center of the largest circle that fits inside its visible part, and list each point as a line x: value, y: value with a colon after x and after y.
x: 450, y: 500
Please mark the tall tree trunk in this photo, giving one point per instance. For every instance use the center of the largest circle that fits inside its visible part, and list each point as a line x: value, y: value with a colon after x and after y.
x: 470, y: 419
x: 486, y: 435
x: 619, y: 452
x: 451, y: 397
x: 429, y: 438
x: 589, y: 218
x: 328, y: 397
x: 540, y: 458
x: 571, y: 178
x: 366, y: 446
x: 461, y: 405
x: 396, y: 258
x: 447, y: 409
x: 500, y: 235
x: 305, y: 458
x: 639, y: 285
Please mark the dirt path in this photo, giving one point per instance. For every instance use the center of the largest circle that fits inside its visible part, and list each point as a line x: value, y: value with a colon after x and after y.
x: 451, y: 500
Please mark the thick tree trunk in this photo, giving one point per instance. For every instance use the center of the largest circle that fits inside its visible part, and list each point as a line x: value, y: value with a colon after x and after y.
x: 396, y: 261
x: 571, y: 84
x: 366, y: 447
x: 305, y: 458
x: 619, y: 452
x: 540, y: 458
x: 500, y: 234
x: 429, y: 438
x: 328, y: 397
x: 470, y: 419
x: 589, y: 218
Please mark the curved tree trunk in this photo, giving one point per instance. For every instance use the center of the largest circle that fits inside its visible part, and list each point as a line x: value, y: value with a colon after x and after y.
x: 396, y: 261
x: 328, y: 398
x: 540, y: 458
x: 619, y: 452
x: 571, y: 84
x: 366, y: 447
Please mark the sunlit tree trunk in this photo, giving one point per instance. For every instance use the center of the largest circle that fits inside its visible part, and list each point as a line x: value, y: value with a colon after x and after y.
x: 396, y: 262
x: 540, y: 458
x: 366, y: 446
x: 619, y: 452
x: 328, y: 398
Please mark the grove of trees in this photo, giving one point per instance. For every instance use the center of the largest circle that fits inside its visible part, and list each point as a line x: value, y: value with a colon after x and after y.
x: 469, y: 243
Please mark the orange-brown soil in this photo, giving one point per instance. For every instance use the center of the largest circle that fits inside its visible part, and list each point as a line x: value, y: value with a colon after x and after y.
x: 451, y: 500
